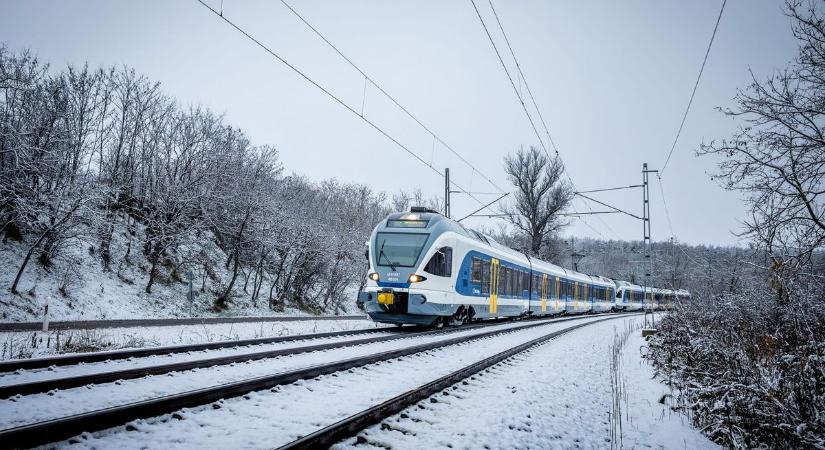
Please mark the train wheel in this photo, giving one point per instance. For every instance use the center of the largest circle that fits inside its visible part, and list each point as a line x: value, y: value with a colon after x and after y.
x: 460, y: 317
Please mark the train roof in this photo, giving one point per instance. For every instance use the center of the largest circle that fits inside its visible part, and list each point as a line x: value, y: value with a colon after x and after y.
x: 423, y: 220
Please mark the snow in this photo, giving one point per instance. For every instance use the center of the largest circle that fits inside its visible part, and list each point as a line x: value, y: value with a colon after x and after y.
x: 548, y: 397
x: 38, y: 407
x: 95, y: 293
x: 649, y: 421
x: 17, y: 345
x: 49, y: 373
x: 268, y: 419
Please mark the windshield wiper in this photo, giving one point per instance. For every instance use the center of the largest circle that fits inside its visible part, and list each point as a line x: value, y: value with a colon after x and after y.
x: 381, y: 253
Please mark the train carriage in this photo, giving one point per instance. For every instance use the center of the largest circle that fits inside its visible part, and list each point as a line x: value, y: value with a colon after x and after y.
x: 426, y: 269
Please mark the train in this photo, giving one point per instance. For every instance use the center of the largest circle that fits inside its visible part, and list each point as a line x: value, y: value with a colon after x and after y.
x: 428, y: 270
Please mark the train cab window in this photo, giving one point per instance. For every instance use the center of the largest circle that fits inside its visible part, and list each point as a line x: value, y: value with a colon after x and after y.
x: 476, y: 270
x: 441, y: 263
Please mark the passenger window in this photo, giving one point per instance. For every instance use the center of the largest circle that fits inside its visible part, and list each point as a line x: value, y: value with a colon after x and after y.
x: 476, y: 270
x: 441, y: 263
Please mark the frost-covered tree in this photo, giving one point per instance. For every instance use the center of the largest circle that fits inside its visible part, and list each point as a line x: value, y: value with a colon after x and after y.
x: 541, y: 194
x: 777, y: 156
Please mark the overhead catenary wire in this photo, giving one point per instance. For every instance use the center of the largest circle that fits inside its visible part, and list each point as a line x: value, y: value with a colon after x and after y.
x: 611, y: 189
x: 610, y: 206
x: 333, y: 97
x: 509, y: 77
x: 667, y: 211
x: 521, y: 74
x: 695, y: 86
x: 371, y: 80
x: 520, y: 98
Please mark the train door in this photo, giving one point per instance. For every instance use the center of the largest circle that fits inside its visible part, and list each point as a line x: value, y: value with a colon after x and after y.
x: 576, y: 296
x: 494, y: 271
x: 544, y: 293
x: 557, y: 288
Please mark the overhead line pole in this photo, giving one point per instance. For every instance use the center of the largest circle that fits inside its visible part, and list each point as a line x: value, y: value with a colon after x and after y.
x: 648, y: 243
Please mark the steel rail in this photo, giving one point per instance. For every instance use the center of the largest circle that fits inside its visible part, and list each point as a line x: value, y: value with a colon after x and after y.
x: 36, y: 387
x: 45, y: 432
x: 350, y: 426
x: 47, y: 385
x: 129, y: 323
x: 66, y: 360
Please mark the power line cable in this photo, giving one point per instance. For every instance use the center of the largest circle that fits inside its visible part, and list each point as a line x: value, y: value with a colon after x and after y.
x: 509, y: 77
x: 609, y: 206
x: 535, y: 104
x: 611, y: 189
x: 332, y: 96
x: 372, y: 81
x: 521, y: 74
x: 667, y: 212
x: 695, y: 86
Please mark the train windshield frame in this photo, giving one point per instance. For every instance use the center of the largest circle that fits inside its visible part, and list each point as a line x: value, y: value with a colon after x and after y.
x: 395, y: 250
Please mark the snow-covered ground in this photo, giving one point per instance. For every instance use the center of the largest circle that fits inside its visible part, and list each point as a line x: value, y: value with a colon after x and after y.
x: 50, y: 373
x: 268, y: 419
x: 557, y: 395
x: 15, y: 345
x: 38, y: 407
x: 90, y: 292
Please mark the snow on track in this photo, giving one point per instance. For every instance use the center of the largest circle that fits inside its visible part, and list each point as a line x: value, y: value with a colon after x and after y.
x: 37, y: 344
x: 39, y: 407
x: 556, y: 395
x: 29, y: 376
x: 268, y: 419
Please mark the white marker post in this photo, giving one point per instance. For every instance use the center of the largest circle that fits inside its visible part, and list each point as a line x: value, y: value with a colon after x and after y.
x: 46, y: 315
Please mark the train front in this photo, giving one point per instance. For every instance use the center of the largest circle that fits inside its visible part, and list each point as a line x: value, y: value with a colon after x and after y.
x: 401, y: 288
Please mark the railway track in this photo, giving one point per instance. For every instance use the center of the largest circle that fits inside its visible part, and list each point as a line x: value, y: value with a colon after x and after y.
x: 336, y: 432
x: 131, y: 323
x: 65, y: 427
x: 87, y: 358
x: 108, y: 376
x: 35, y: 387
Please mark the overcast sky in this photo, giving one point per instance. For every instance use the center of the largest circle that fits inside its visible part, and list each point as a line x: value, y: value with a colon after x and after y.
x: 612, y: 79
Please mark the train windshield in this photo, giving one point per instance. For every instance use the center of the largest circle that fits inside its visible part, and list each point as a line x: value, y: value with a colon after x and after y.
x: 398, y: 249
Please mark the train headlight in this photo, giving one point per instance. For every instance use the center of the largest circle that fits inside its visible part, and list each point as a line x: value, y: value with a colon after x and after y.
x: 374, y: 276
x: 416, y: 278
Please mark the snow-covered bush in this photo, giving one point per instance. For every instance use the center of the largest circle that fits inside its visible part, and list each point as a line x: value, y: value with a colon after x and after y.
x: 749, y: 371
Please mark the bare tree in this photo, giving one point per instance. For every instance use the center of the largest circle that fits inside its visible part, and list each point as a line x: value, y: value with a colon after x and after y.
x: 541, y: 194
x: 777, y: 155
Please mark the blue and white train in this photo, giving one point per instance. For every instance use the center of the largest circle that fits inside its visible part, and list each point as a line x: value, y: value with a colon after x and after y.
x: 426, y: 269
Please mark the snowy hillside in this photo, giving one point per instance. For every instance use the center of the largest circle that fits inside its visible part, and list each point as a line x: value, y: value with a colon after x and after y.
x: 77, y: 286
